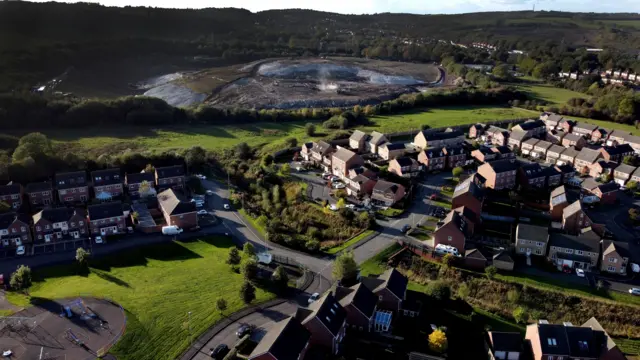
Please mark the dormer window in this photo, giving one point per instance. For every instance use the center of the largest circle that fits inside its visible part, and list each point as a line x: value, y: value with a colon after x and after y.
x: 552, y: 342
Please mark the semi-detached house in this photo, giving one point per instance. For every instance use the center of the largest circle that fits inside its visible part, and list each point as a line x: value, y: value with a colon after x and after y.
x: 182, y: 214
x: 574, y: 251
x: 39, y: 193
x: 57, y: 224
x: 568, y: 156
x: 615, y: 257
x: 107, y: 183
x: 286, y: 340
x: 553, y: 153
x: 11, y: 194
x: 499, y: 174
x: 106, y: 219
x: 14, y: 230
x: 343, y: 160
x: 134, y: 180
x: 326, y: 320
x: 170, y: 177
x: 72, y: 186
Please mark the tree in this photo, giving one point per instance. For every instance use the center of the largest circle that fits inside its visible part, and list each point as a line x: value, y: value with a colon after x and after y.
x: 149, y: 169
x: 310, y: 129
x: 243, y: 151
x: 501, y: 71
x: 513, y: 296
x: 439, y: 290
x: 457, y: 171
x: 21, y: 278
x: 345, y: 266
x: 438, y: 341
x: 629, y: 160
x: 32, y: 145
x: 285, y: 169
x: 463, y: 291
x: 280, y: 278
x: 447, y: 260
x: 195, y: 157
x: 266, y: 160
x: 249, y: 250
x: 520, y: 314
x: 221, y: 305
x: 250, y: 269
x: 632, y: 185
x: 626, y: 107
x: 82, y: 256
x: 491, y: 271
x: 234, y: 256
x: 291, y: 142
x: 341, y: 203
x: 145, y: 189
x: 247, y: 292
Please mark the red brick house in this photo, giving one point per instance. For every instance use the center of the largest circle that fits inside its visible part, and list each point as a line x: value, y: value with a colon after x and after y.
x: 574, y: 218
x: 404, y: 167
x: 469, y: 217
x: 107, y: 183
x: 390, y: 287
x: 503, y: 152
x: 326, y: 320
x: 72, y: 187
x: 386, y: 193
x: 476, y: 130
x: 170, y: 177
x: 14, y: 230
x: 456, y: 155
x: 343, y: 160
x: 557, y: 202
x: 287, y: 339
x: 608, y: 193
x: 11, y: 194
x: 177, y: 212
x: 615, y: 257
x: 483, y: 154
x: 55, y: 224
x: 106, y: 219
x: 453, y: 232
x: 575, y: 140
x: 469, y: 195
x: 566, y: 125
x: 39, y: 194
x: 499, y: 174
x: 360, y: 304
x: 566, y: 342
x: 600, y: 134
x: 432, y: 159
x: 602, y: 168
x: 133, y: 181
x: 616, y: 153
x: 551, y: 120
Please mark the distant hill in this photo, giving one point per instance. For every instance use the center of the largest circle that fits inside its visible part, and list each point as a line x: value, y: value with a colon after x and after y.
x: 41, y: 39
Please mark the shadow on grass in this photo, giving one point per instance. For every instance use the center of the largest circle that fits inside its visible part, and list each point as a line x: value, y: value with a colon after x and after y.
x: 110, y: 278
x: 222, y: 242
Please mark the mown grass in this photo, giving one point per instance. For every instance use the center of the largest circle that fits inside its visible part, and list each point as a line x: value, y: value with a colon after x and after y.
x: 390, y: 212
x: 336, y: 249
x: 157, y: 286
x: 550, y: 93
x: 378, y: 263
x: 442, y: 204
x: 628, y: 346
x: 253, y: 221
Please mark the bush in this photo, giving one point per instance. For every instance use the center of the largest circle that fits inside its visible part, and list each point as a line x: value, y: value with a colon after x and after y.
x: 280, y: 278
x: 463, y: 291
x: 250, y: 269
x: 491, y: 271
x: 248, y: 249
x: 513, y: 296
x: 438, y: 341
x: 247, y: 292
x: 312, y: 245
x: 21, y: 278
x: 438, y: 289
x: 234, y: 256
x: 520, y: 315
x: 310, y: 129
x: 345, y: 266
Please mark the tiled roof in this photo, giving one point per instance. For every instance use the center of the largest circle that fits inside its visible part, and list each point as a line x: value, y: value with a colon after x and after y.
x: 572, y: 137
x: 405, y: 161
x: 625, y: 169
x: 581, y: 242
x: 608, y: 187
x: 359, y: 296
x: 558, y: 191
x: 330, y: 313
x: 506, y: 341
x: 517, y: 135
x: 394, y: 146
x: 531, y: 124
x: 588, y: 155
x: 391, y: 279
x: 106, y: 177
x: 136, y: 178
x: 618, y: 150
x: 556, y: 149
x: 433, y: 153
x: 357, y: 135
x: 10, y: 189
x: 385, y: 186
x: 500, y: 166
x: 570, y: 152
x: 284, y: 341
x: 170, y: 171
x: 442, y: 135
x: 104, y: 211
x: 377, y: 137
x: 583, y: 125
x: 457, y: 220
x: 572, y: 209
x: 468, y: 186
x: 344, y: 154
x: 322, y: 147
x: 172, y: 205
x: 531, y: 142
x: 39, y: 187
x: 70, y: 180
x: 532, y: 232
x: 609, y: 246
x: 503, y: 255
x: 543, y: 144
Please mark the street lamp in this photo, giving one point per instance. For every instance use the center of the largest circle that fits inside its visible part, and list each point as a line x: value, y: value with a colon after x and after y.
x: 189, y: 323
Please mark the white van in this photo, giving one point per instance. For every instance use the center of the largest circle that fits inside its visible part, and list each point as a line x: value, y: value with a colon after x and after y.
x: 443, y: 249
x: 171, y: 230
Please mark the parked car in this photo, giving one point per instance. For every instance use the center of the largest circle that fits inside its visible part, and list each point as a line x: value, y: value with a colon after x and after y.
x: 580, y: 272
x: 209, y: 192
x: 443, y: 249
x: 201, y: 177
x: 98, y: 240
x: 20, y: 250
x: 313, y: 297
x: 406, y: 228
x: 171, y: 230
x: 226, y: 206
x: 219, y: 352
x: 130, y: 229
x: 202, y: 212
x: 333, y: 207
x: 566, y: 269
x: 433, y: 197
x: 338, y: 185
x: 243, y: 330
x: 634, y: 291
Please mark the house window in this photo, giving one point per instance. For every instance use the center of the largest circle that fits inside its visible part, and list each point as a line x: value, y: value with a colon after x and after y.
x: 568, y: 251
x: 380, y: 297
x: 613, y: 260
x: 449, y: 238
x: 522, y: 249
x: 539, y: 244
x: 23, y: 229
x: 579, y: 252
x: 538, y: 252
x: 38, y: 228
x: 80, y: 222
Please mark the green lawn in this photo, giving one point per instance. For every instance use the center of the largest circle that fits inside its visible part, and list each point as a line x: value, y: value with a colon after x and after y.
x: 334, y: 250
x: 157, y: 285
x: 442, y: 204
x: 628, y: 346
x: 391, y: 212
x: 549, y: 93
x: 251, y: 220
x: 377, y: 264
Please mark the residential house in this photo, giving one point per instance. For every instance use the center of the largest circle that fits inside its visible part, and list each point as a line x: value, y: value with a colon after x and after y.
x: 551, y: 120
x: 568, y: 156
x: 39, y: 193
x: 622, y: 173
x: 553, y: 176
x: 476, y: 130
x: 531, y: 240
x: 358, y: 141
x: 516, y: 138
x: 474, y: 257
x: 468, y: 194
x: 170, y: 177
x: 55, y: 224
x: 107, y: 183
x: 634, y: 142
x: 469, y: 216
x: 540, y: 149
x: 431, y: 139
x: 390, y: 288
x: 574, y: 251
x: 531, y: 176
x: 11, y: 194
x: 615, y: 257
x: 602, y: 168
x: 600, y: 134
x: 609, y: 349
x: 326, y: 320
x: 499, y: 174
x: 616, y: 153
x: 134, y: 180
x: 182, y: 214
x: 528, y: 145
x: 405, y: 167
x: 557, y: 203
x: 453, y: 231
x: 607, y: 193
x: 321, y: 154
x: 360, y: 304
x: 432, y: 159
x: 505, y: 345
x: 305, y: 150
x: 583, y: 129
x: 566, y: 125
x: 286, y: 340
x: 375, y: 141
x: 503, y: 152
x: 497, y: 136
x: 14, y: 230
x: 342, y: 160
x: 361, y: 170
x: 386, y: 193
x: 575, y: 140
x: 617, y: 137
x: 585, y: 158
x: 588, y: 185
x: 484, y: 154
x: 532, y: 127
x: 359, y: 185
x: 390, y: 151
x: 553, y: 153
x: 574, y: 218
x: 636, y: 175
x: 72, y: 186
x: 502, y: 260
x: 563, y: 342
x: 567, y: 171
x: 106, y: 219
x: 555, y: 136
x: 456, y: 155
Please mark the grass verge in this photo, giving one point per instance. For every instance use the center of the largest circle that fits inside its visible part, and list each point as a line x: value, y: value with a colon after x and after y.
x: 336, y: 249
x: 391, y: 212
x: 442, y: 204
x: 253, y: 221
x: 377, y: 264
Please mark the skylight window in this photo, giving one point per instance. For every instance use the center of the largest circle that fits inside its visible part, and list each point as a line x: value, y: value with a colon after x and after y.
x: 552, y: 342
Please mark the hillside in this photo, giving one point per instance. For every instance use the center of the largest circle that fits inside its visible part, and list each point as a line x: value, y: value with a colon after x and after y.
x: 38, y: 41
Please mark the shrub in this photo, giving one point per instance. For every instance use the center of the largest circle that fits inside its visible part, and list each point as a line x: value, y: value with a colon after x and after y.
x: 457, y: 171
x: 491, y: 271
x: 345, y: 266
x: 248, y: 249
x: 310, y: 129
x: 21, y: 278
x: 438, y: 341
x: 250, y: 269
x: 280, y: 278
x: 439, y: 290
x: 234, y: 256
x: 312, y: 245
x: 513, y: 296
x: 463, y: 291
x: 247, y: 292
x: 520, y: 314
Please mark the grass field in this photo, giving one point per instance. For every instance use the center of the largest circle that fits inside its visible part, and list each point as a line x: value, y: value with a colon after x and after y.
x: 157, y: 286
x: 549, y: 93
x: 334, y: 250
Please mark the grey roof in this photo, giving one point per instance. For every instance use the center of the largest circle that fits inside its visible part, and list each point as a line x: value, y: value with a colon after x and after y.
x: 501, y: 149
x: 359, y: 296
x: 394, y: 146
x: 570, y: 152
x: 329, y: 312
x: 506, y: 341
x: 543, y: 144
x: 556, y: 149
x: 619, y: 133
x: 565, y: 169
x: 608, y: 187
x: 518, y: 135
x: 495, y: 129
x: 385, y: 186
x: 586, y: 242
x: 585, y: 126
x: 468, y: 186
x: 503, y: 165
x: 555, y: 118
x: 434, y: 152
x: 596, y: 327
x: 357, y: 135
x: 377, y: 138
x: 39, y: 187
x: 442, y: 135
x: 531, y: 142
x: 622, y: 248
x: 70, y: 180
x: 503, y: 255
x: 572, y: 209
x: 618, y: 150
x: 582, y: 343
x: 322, y: 147
x: 170, y: 171
x: 7, y: 219
x: 391, y: 279
x: 625, y: 169
x: 10, y: 189
x: 588, y: 155
x: 405, y: 161
x: 106, y: 177
x: 56, y: 215
x: 589, y: 183
x: 546, y: 332
x: 558, y: 191
x: 454, y: 149
x: 285, y: 340
x: 532, y: 170
x: 136, y: 178
x: 104, y: 211
x: 572, y: 137
x: 532, y: 232
x: 531, y: 124
x: 172, y: 205
x: 459, y: 222
x: 474, y: 253
x: 344, y: 154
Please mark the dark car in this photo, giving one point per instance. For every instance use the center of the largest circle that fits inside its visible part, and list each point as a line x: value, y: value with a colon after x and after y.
x: 243, y: 330
x: 219, y: 352
x: 406, y: 228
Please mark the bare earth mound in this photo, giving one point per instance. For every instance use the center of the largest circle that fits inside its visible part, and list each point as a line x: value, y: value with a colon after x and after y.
x: 43, y: 331
x: 329, y: 82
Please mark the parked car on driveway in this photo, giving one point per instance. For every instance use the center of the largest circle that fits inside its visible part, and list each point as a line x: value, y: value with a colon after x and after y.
x: 406, y: 228
x: 634, y: 291
x: 243, y: 330
x: 209, y: 192
x: 580, y: 272
x: 219, y: 352
x: 226, y: 206
x: 202, y: 212
x: 20, y: 250
x: 313, y: 298
x: 98, y: 240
